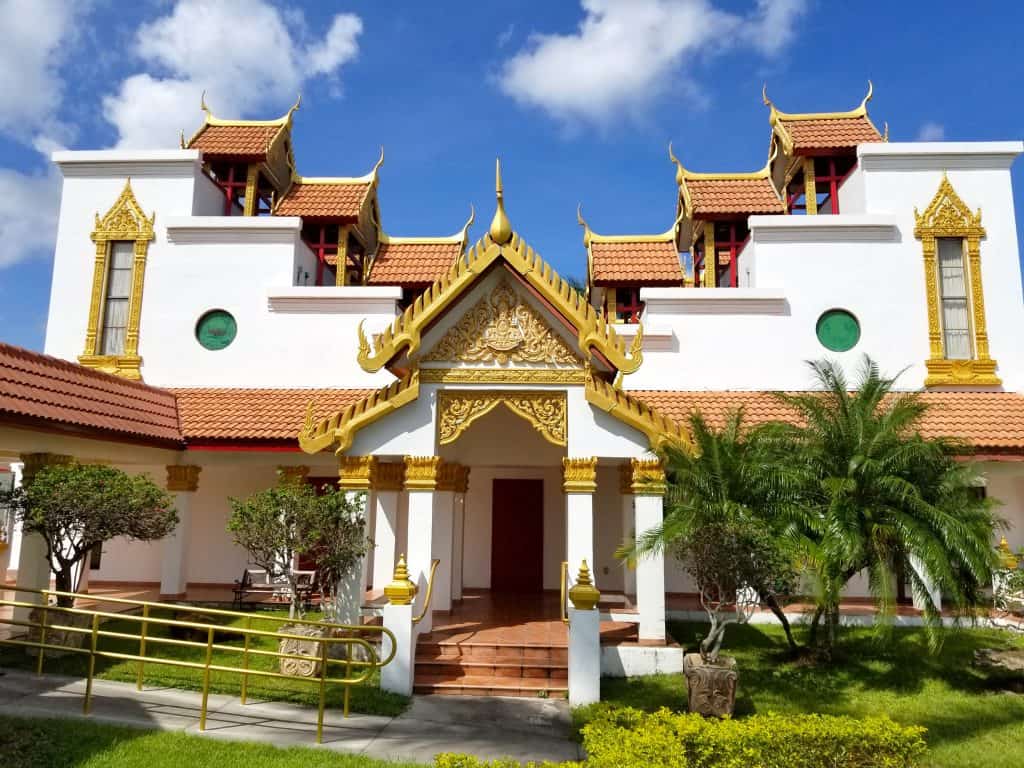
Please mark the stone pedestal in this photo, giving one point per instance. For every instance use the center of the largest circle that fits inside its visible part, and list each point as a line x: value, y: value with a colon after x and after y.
x: 397, y: 676
x: 584, y: 656
x: 711, y: 688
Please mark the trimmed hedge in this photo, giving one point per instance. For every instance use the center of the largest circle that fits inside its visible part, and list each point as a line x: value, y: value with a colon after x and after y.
x: 629, y: 738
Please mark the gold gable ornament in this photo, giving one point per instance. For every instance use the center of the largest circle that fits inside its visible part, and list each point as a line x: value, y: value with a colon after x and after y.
x: 503, y: 328
x: 547, y: 412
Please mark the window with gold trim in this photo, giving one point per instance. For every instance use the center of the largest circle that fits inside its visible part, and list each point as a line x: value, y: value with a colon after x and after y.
x: 950, y: 236
x: 122, y: 238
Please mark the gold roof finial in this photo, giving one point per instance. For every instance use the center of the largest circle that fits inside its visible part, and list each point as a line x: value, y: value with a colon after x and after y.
x: 296, y: 105
x: 501, y: 227
x: 764, y: 95
x: 468, y: 224
x: 867, y: 98
x: 202, y: 104
x: 680, y: 172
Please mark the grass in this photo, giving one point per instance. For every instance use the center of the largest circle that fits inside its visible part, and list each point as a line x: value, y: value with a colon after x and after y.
x: 366, y: 698
x: 971, y: 720
x: 40, y: 743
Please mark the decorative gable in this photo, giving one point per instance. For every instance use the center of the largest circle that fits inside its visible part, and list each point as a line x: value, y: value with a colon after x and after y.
x: 502, y: 328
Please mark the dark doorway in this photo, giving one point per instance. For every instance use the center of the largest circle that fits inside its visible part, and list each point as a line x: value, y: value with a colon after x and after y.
x: 517, y: 536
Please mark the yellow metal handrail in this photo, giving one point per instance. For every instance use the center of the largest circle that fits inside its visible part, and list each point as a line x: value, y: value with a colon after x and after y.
x: 564, y: 583
x: 364, y: 663
x: 430, y: 591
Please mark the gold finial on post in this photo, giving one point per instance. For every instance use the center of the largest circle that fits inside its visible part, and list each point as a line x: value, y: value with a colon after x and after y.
x: 584, y: 594
x: 401, y: 590
x: 501, y: 227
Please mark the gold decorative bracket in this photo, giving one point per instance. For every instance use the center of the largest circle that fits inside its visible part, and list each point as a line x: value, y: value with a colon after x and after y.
x: 547, y: 412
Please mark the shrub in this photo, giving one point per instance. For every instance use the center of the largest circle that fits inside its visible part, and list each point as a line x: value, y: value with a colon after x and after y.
x: 628, y: 738
x: 452, y: 760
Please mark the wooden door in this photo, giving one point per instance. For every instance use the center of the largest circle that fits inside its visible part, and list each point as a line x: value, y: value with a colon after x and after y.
x: 517, y: 536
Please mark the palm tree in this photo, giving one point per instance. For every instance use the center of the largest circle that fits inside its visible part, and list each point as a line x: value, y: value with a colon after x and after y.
x: 880, y: 498
x: 726, y: 479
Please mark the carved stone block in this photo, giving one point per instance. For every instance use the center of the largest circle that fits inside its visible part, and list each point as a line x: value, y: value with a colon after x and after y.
x: 711, y: 688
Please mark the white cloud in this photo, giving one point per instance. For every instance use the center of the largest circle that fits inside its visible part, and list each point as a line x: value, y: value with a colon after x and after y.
x: 931, y: 131
x: 627, y: 53
x: 28, y: 214
x: 35, y: 34
x: 246, y: 54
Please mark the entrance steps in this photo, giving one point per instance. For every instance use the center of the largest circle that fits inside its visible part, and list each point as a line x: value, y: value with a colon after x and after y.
x: 464, y: 667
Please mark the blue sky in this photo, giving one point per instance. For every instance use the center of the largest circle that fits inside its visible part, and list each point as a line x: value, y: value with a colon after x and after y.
x: 579, y: 98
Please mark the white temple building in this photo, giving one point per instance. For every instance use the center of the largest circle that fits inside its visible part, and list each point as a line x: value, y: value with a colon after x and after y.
x: 216, y: 317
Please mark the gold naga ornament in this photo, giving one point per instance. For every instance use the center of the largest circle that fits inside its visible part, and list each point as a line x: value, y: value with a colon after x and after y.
x: 547, y: 412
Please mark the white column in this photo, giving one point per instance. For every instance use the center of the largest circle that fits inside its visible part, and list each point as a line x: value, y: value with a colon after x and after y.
x: 385, y: 534
x: 397, y: 676
x: 579, y: 481
x: 650, y: 572
x: 14, y: 551
x: 458, y: 542
x: 628, y: 532
x: 356, y: 476
x: 182, y: 482
x: 932, y: 590
x: 647, y: 482
x: 442, y: 534
x: 584, y: 656
x: 420, y: 481
x: 33, y: 566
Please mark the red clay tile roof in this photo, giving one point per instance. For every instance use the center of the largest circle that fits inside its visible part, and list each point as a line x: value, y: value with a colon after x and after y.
x: 333, y: 200
x: 36, y: 387
x: 718, y: 196
x: 234, y: 140
x: 636, y: 261
x: 399, y: 263
x: 986, y: 420
x: 831, y: 133
x: 254, y: 414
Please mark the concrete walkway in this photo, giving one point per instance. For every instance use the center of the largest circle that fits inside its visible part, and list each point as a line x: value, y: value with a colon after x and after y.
x: 524, y: 729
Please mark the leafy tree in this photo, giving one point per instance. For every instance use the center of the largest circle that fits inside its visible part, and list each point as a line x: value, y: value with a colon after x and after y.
x: 277, y: 525
x: 730, y: 477
x: 881, y: 498
x: 339, y: 543
x: 727, y: 560
x: 76, y: 507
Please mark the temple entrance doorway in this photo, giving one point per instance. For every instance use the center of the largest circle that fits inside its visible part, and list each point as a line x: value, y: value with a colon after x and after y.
x: 517, y: 535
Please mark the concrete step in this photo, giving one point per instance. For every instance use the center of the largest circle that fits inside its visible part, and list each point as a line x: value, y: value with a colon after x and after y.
x: 488, y: 685
x: 497, y: 667
x: 434, y: 648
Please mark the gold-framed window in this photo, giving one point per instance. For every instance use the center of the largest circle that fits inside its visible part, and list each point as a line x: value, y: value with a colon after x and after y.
x: 950, y: 235
x: 122, y: 238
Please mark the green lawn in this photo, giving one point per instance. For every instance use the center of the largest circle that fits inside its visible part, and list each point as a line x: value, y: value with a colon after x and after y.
x: 971, y: 721
x: 366, y: 698
x: 38, y: 743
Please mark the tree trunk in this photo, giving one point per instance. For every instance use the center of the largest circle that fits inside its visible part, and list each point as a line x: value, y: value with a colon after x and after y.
x: 63, y: 579
x: 773, y: 605
x: 812, y: 636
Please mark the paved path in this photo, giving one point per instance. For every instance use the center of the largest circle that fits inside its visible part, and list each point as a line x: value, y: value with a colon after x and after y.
x: 525, y: 729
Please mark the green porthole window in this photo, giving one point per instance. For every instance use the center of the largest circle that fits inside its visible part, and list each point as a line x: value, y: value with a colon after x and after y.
x: 838, y: 330
x: 216, y: 329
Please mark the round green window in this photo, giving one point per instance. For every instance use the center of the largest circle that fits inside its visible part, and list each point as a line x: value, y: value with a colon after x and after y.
x: 216, y: 329
x: 838, y: 330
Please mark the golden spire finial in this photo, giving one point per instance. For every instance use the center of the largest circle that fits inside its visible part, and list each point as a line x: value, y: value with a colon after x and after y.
x: 501, y: 227
x: 586, y: 227
x: 584, y: 594
x: 401, y: 590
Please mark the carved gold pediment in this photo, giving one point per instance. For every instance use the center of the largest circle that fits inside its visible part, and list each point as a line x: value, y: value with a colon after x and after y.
x: 125, y: 220
x: 547, y: 412
x: 501, y: 328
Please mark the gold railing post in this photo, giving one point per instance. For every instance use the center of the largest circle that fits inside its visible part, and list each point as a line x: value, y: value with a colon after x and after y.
x: 245, y: 659
x: 42, y: 637
x: 142, y: 647
x: 348, y: 676
x: 87, y: 705
x: 323, y: 692
x: 206, y: 678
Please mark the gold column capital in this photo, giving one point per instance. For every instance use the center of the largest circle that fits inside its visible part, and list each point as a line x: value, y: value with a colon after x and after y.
x: 390, y: 476
x: 292, y: 475
x: 579, y: 474
x: 643, y: 477
x: 356, y: 473
x: 421, y: 472
x: 448, y: 476
x: 583, y: 594
x: 33, y: 462
x: 462, y: 483
x: 183, y: 477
